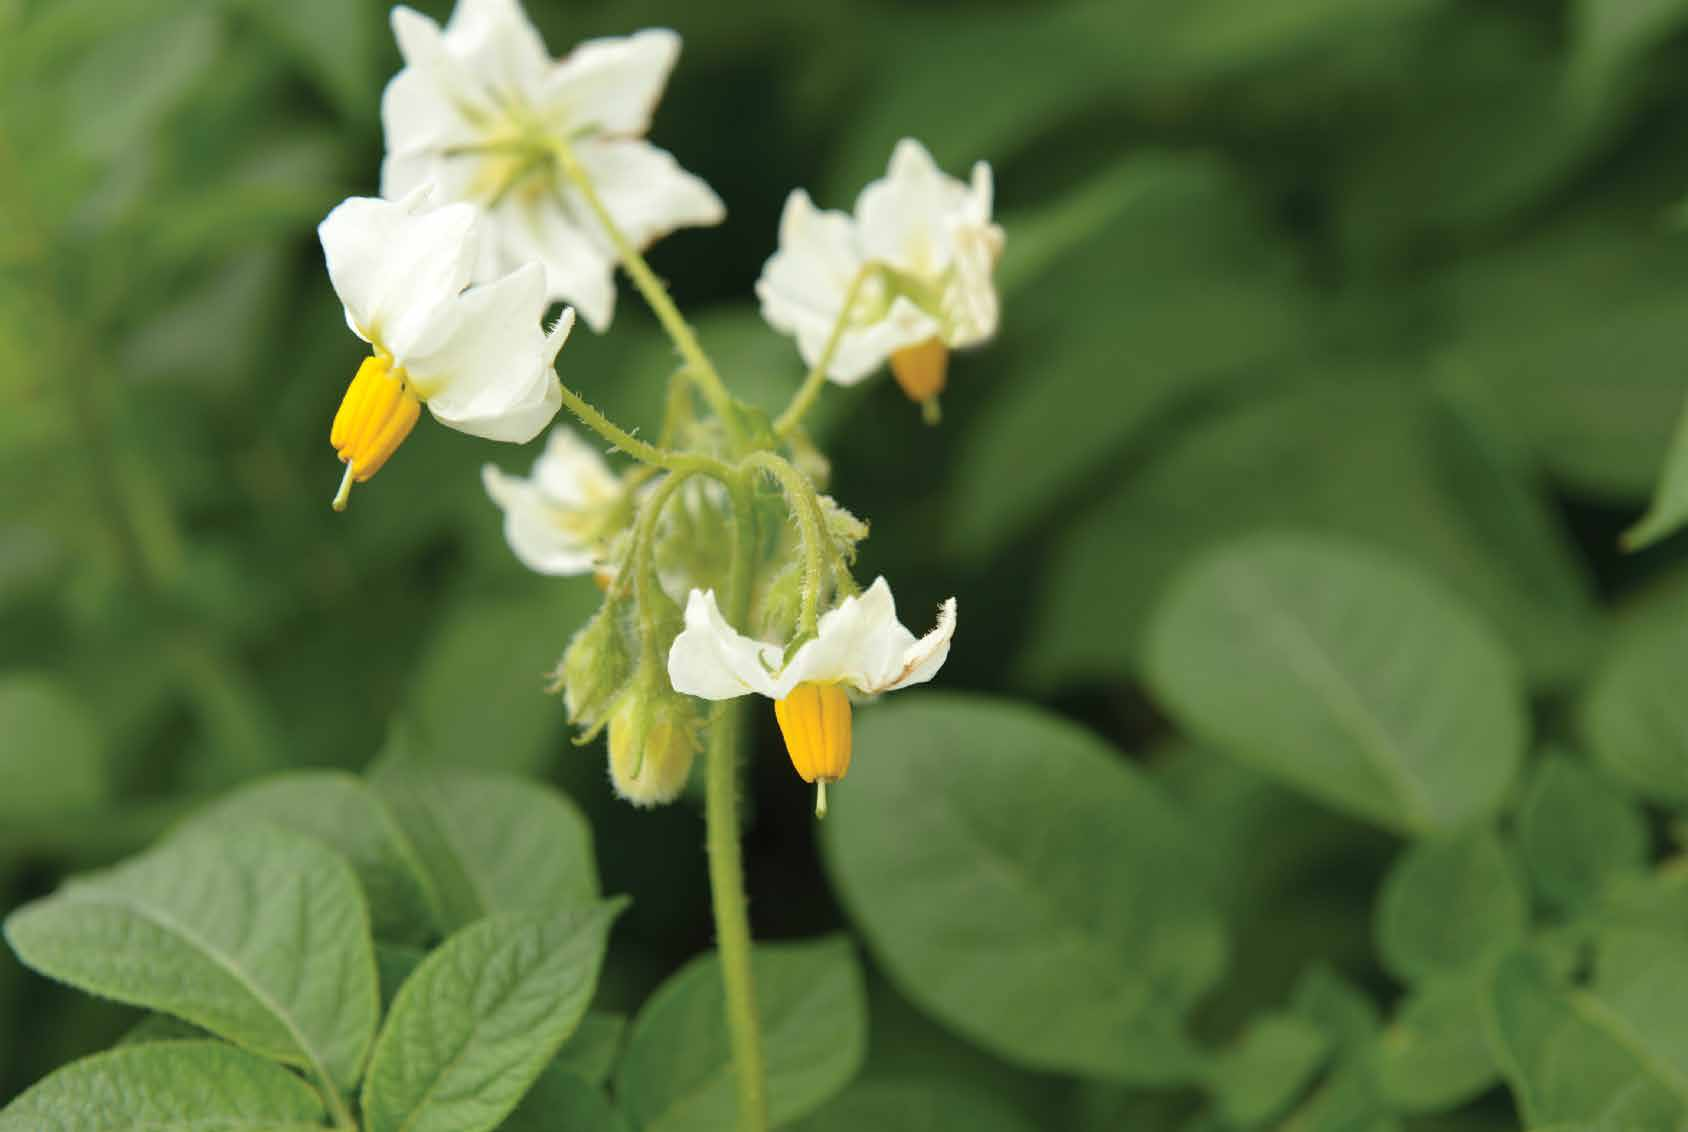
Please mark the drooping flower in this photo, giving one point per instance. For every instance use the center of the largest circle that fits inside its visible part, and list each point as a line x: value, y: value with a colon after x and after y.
x: 920, y: 252
x: 558, y: 520
x: 858, y: 645
x: 482, y: 109
x: 480, y: 358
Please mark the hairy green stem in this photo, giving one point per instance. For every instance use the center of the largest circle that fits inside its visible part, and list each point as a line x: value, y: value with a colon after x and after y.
x: 698, y: 366
x: 726, y: 863
x: 810, y: 390
x: 620, y: 438
x: 800, y: 498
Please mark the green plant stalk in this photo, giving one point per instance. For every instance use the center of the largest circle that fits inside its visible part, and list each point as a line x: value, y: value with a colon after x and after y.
x: 698, y: 366
x: 800, y: 498
x: 726, y: 863
x: 620, y: 438
x: 815, y: 381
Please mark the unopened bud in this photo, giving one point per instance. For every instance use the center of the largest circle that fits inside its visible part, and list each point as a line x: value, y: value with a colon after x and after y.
x: 653, y: 740
x: 594, y: 668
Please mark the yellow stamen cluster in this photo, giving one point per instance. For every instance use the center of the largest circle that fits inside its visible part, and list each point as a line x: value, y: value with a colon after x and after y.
x: 815, y: 720
x: 377, y: 413
x: 921, y: 370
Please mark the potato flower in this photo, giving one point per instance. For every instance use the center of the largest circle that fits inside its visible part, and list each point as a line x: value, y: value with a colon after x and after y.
x: 860, y: 645
x: 559, y: 518
x: 482, y: 110
x: 913, y: 266
x: 479, y: 358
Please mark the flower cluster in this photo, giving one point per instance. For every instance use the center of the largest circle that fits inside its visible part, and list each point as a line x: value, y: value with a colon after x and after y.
x: 514, y: 181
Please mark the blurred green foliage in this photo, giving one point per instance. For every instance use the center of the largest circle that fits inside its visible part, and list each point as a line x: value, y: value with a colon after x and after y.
x: 1341, y: 342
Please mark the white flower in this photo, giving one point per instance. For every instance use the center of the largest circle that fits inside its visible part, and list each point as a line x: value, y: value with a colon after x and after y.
x: 558, y: 519
x: 481, y: 108
x: 860, y: 645
x: 479, y: 358
x: 929, y: 248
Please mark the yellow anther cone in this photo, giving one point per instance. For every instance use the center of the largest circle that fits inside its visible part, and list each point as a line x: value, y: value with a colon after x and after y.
x: 375, y: 416
x: 921, y: 371
x: 815, y: 720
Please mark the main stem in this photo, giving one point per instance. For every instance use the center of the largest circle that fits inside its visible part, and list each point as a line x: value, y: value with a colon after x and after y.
x: 698, y: 365
x: 726, y: 862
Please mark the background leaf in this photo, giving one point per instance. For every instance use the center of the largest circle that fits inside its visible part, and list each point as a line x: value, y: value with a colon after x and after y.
x: 489, y: 843
x: 1635, y: 723
x: 167, y: 1087
x: 1578, y: 832
x: 53, y: 759
x: 677, y: 1071
x: 1041, y: 909
x: 473, y: 1026
x: 1347, y: 676
x: 260, y: 936
x: 1449, y: 906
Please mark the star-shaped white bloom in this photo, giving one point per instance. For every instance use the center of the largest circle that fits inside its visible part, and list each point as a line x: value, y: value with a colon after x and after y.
x: 480, y: 109
x: 928, y: 249
x: 478, y: 357
x: 556, y: 519
x: 860, y: 644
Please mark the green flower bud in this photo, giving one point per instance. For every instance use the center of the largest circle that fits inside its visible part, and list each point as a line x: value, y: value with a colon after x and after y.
x: 594, y: 668
x: 653, y: 740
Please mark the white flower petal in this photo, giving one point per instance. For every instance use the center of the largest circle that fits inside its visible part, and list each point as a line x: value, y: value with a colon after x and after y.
x: 496, y: 41
x: 531, y: 528
x: 645, y: 189
x: 492, y: 377
x: 904, y: 219
x: 860, y: 643
x: 612, y: 85
x: 577, y: 268
x: 395, y: 266
x: 920, y: 661
x: 712, y: 660
x: 436, y: 89
x: 571, y: 473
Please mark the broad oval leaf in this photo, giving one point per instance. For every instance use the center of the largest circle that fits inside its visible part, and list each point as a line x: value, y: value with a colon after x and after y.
x: 1434, y: 1054
x: 676, y: 1074
x: 1403, y: 473
x: 489, y: 843
x: 1450, y: 907
x: 52, y: 757
x: 260, y: 936
x: 1634, y: 715
x: 1578, y: 832
x: 1344, y: 674
x: 193, y: 1086
x: 480, y: 1018
x: 1021, y: 883
x: 340, y: 810
x: 562, y: 1102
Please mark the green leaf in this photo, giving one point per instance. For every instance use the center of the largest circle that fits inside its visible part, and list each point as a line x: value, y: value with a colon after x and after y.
x: 1568, y: 1060
x: 1669, y: 509
x: 677, y: 1073
x: 592, y: 1050
x: 475, y: 1024
x: 1402, y: 473
x: 1044, y: 906
x: 1575, y: 335
x: 394, y: 963
x: 489, y: 843
x: 334, y: 42
x: 1434, y: 1055
x: 561, y: 1102
x: 1344, y: 674
x: 1578, y: 832
x: 478, y: 696
x: 1122, y: 331
x: 167, y: 1087
x: 343, y: 813
x: 902, y: 1105
x: 1450, y: 906
x: 1634, y: 716
x: 261, y: 937
x: 52, y: 757
x: 1271, y: 1063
